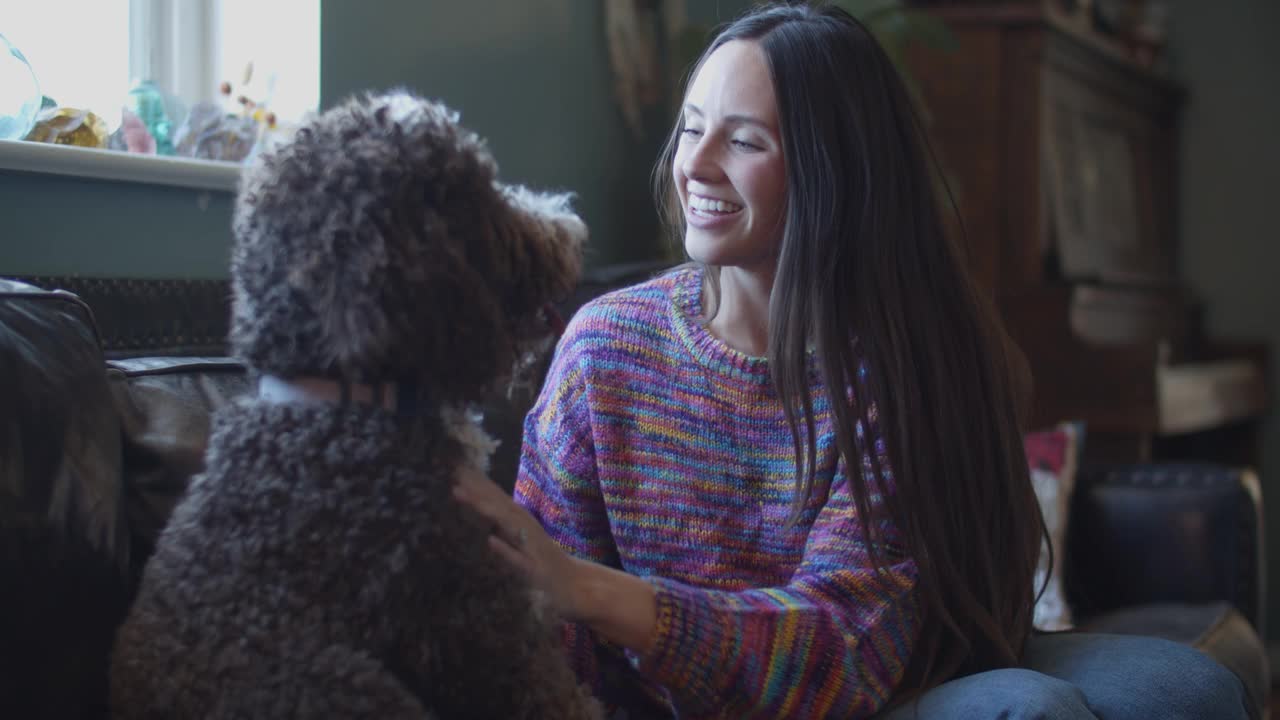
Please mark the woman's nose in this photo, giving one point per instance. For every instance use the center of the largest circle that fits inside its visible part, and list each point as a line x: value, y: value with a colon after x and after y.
x: 700, y: 162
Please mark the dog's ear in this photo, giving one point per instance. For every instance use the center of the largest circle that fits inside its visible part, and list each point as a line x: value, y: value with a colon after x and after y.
x: 544, y: 239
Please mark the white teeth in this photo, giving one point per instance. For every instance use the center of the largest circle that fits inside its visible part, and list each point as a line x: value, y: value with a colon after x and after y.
x: 698, y: 202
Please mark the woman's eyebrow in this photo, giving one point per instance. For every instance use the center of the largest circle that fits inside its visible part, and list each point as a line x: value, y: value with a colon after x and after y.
x: 736, y: 119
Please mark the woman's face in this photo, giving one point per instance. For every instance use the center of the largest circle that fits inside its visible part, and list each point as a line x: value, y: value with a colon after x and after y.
x: 728, y: 168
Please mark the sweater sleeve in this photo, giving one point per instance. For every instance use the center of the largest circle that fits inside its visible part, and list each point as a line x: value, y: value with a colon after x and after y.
x: 832, y: 643
x: 557, y: 483
x: 557, y: 480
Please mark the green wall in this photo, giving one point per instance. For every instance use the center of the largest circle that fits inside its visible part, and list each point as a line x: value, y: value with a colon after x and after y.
x: 60, y: 225
x: 531, y: 76
x: 1227, y: 56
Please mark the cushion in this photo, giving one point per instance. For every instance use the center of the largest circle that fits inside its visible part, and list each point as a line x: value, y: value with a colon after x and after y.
x: 1166, y: 532
x: 165, y: 406
x: 1052, y: 455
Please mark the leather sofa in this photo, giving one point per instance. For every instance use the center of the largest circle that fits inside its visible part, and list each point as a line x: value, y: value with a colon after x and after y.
x: 105, y: 398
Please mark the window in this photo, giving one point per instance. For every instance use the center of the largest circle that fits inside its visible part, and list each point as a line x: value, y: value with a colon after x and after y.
x: 87, y: 53
x: 282, y: 39
x: 79, y: 54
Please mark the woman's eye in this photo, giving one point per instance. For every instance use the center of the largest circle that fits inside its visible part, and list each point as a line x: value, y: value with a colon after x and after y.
x: 691, y: 132
x: 745, y: 145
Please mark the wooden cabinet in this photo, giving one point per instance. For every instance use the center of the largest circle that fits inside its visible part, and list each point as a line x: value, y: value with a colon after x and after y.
x: 1061, y: 152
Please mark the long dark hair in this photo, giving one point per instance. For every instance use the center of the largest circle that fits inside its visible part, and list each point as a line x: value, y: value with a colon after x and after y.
x: 867, y: 273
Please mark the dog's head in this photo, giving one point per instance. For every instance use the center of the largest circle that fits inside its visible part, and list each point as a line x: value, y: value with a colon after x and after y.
x: 377, y: 246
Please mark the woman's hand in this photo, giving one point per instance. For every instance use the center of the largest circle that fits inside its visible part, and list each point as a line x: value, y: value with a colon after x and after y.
x: 520, y: 540
x: 621, y: 607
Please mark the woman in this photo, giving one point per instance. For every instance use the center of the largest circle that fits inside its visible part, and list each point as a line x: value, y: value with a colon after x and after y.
x: 788, y: 480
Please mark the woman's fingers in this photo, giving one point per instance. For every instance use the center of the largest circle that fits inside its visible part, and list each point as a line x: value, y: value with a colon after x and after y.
x: 484, y: 497
x: 500, y: 511
x: 513, y: 533
x: 510, y: 555
x: 517, y: 537
x: 474, y: 481
x: 512, y: 522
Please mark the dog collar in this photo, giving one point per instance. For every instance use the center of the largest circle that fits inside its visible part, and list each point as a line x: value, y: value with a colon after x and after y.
x: 396, y: 397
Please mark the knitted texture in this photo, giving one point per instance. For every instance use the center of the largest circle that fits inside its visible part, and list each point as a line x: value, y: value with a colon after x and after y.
x: 657, y: 449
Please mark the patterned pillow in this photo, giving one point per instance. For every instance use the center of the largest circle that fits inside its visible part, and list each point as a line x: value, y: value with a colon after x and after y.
x: 1053, y: 455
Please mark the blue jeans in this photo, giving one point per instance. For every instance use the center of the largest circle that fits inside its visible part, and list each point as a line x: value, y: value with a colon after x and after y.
x: 1079, y: 675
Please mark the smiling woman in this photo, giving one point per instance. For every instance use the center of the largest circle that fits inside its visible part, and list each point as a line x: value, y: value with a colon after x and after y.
x: 787, y: 479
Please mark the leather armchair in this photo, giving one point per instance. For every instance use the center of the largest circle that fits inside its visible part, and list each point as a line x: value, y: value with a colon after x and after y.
x: 1174, y: 551
x: 93, y: 455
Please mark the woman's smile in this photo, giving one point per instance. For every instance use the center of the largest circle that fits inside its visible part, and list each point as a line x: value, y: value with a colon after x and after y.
x: 708, y: 213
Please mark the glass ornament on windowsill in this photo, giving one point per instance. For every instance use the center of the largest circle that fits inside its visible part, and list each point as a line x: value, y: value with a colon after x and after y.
x: 147, y: 103
x: 69, y: 126
x: 209, y: 133
x: 132, y: 136
x: 20, y: 96
x: 232, y: 129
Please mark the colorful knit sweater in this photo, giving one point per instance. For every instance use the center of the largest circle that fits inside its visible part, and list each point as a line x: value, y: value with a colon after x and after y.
x: 657, y: 449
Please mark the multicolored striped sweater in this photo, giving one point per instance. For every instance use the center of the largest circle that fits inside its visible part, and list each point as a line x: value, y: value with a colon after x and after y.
x: 657, y: 449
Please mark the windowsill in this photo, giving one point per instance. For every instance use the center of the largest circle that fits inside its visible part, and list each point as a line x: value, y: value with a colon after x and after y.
x: 119, y: 166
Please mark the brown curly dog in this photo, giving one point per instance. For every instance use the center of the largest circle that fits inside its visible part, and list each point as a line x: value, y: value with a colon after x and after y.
x: 384, y: 282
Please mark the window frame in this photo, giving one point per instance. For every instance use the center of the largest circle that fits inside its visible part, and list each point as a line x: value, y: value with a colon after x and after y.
x: 176, y: 46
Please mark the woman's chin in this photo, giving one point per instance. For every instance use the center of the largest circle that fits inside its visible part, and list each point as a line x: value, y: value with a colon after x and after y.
x: 725, y: 252
x: 706, y: 250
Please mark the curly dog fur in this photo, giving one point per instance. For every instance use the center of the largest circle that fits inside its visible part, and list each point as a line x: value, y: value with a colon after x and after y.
x: 320, y: 566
